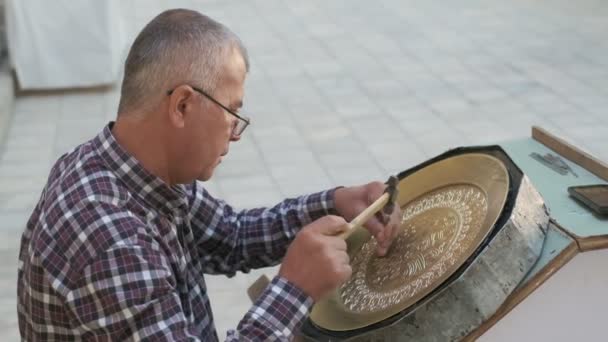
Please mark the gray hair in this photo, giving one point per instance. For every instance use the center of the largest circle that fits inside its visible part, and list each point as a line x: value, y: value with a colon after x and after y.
x: 177, y: 47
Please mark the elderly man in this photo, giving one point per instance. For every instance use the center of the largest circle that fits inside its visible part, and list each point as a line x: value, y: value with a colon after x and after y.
x: 118, y: 244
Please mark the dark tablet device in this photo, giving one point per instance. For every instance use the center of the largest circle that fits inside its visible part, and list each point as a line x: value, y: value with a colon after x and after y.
x: 593, y: 196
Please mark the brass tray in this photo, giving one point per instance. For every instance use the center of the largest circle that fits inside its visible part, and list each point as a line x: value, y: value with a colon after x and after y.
x: 449, y: 207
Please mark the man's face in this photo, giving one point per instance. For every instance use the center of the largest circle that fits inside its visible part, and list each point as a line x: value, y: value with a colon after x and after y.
x: 207, y: 130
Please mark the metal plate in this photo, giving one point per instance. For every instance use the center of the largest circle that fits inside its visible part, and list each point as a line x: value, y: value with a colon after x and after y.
x: 448, y: 209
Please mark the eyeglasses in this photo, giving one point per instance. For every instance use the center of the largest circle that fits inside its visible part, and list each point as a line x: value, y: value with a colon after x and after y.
x: 242, y: 121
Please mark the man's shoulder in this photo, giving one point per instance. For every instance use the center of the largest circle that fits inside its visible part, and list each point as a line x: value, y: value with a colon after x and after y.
x: 83, y: 206
x: 76, y: 229
x: 81, y: 176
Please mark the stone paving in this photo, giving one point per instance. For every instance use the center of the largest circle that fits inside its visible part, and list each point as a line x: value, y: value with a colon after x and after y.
x: 343, y: 92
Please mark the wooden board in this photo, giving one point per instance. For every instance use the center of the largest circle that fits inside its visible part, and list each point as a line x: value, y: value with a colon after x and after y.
x: 574, y: 228
x: 569, y: 306
x: 590, y: 231
x: 571, y: 152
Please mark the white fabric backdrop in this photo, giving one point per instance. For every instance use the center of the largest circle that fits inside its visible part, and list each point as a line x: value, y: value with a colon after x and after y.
x: 65, y: 43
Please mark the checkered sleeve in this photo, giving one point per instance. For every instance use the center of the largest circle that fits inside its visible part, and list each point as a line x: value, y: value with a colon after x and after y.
x: 276, y: 315
x: 231, y: 241
x: 127, y: 293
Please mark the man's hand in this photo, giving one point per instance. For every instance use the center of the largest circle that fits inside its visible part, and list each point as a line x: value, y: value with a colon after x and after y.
x: 316, y: 260
x: 351, y: 201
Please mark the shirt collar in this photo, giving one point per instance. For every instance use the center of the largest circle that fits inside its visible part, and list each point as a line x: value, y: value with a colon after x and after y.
x: 150, y: 188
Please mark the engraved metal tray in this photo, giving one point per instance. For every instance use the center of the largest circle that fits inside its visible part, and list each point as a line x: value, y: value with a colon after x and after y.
x: 448, y: 207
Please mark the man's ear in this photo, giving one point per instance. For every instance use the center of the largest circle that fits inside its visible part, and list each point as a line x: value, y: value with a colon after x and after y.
x: 180, y: 104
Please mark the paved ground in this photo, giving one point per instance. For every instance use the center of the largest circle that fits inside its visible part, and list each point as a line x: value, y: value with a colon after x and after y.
x: 342, y: 92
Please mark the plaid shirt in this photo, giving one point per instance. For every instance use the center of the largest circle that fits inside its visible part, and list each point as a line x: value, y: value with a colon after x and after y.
x: 113, y: 253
